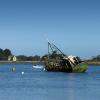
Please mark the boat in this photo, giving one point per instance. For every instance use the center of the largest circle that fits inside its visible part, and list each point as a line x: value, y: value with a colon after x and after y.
x: 38, y: 66
x: 56, y: 60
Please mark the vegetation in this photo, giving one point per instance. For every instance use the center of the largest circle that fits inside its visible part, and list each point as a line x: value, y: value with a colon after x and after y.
x: 4, y: 54
x: 29, y: 58
x: 94, y: 59
x: 97, y: 58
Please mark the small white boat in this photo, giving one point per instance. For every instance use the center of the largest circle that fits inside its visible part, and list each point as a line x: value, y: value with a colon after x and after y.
x: 38, y: 66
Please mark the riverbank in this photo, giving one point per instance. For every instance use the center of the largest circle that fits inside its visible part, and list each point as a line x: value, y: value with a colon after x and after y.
x: 93, y: 62
x: 21, y: 62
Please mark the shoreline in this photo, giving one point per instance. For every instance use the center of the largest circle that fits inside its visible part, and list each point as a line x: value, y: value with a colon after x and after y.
x: 93, y: 62
x: 21, y: 62
x: 42, y: 62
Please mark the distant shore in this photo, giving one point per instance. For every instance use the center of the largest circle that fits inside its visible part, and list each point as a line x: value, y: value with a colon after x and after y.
x: 42, y: 62
x: 21, y: 62
x: 93, y: 62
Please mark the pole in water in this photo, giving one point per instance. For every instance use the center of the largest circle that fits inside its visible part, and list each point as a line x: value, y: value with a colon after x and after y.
x: 13, y: 69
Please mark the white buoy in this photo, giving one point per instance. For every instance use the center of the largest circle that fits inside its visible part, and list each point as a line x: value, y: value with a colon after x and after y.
x: 44, y: 69
x: 22, y: 73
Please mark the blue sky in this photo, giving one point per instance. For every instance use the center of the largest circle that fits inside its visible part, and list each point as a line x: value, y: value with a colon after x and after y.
x: 73, y: 25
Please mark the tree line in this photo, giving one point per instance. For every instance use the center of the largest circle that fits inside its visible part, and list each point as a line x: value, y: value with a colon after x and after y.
x: 4, y: 54
x: 28, y: 58
x: 96, y: 58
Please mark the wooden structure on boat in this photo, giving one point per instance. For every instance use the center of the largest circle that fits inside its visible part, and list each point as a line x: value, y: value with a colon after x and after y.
x: 58, y: 61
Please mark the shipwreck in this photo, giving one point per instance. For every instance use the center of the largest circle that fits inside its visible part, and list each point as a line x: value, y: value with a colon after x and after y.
x: 56, y: 60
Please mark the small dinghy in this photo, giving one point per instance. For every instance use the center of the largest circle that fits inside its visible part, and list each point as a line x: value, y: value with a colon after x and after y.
x: 38, y: 66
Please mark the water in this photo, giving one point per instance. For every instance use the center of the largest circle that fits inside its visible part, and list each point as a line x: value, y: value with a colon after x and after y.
x: 36, y: 84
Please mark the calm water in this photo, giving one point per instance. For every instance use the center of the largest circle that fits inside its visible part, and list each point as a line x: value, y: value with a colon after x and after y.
x: 36, y: 84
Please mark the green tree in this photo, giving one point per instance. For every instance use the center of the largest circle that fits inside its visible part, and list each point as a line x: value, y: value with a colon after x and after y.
x: 7, y: 52
x: 22, y: 58
x: 36, y: 58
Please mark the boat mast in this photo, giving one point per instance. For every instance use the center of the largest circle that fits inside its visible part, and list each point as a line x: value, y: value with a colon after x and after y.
x: 52, y: 47
x: 48, y: 51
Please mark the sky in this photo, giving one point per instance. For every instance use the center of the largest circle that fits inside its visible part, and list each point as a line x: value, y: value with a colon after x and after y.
x: 72, y: 25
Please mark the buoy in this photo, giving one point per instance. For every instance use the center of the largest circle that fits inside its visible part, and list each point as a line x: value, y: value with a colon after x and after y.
x: 22, y: 73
